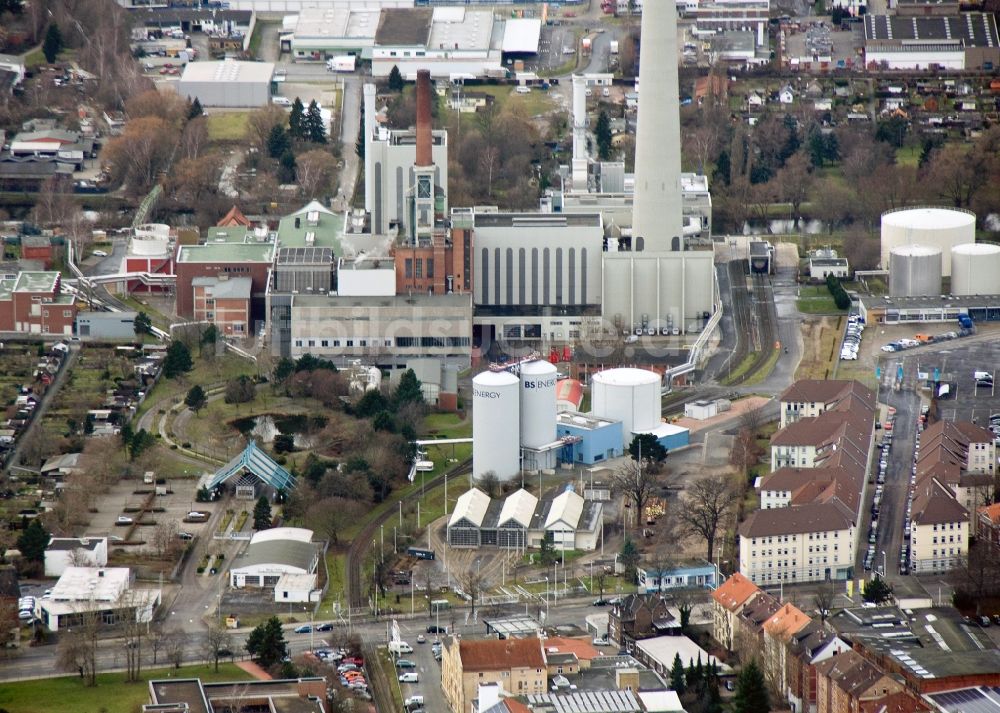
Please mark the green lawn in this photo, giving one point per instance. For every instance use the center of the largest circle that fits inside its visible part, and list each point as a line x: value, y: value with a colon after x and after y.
x: 816, y: 299
x: 908, y: 155
x: 67, y: 694
x: 228, y: 125
x: 206, y: 371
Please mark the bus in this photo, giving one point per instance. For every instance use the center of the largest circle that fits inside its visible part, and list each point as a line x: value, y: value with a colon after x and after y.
x: 420, y: 553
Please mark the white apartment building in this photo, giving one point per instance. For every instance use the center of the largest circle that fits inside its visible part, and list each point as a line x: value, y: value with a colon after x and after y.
x: 939, y: 536
x: 962, y: 457
x: 806, y: 543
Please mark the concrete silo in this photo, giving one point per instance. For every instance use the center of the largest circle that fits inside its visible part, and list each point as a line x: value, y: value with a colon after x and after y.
x: 496, y: 424
x: 914, y: 271
x: 538, y: 413
x: 631, y: 396
x: 941, y: 228
x: 975, y: 269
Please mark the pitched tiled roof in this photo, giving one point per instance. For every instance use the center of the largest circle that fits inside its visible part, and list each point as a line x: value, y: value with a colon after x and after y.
x: 934, y: 504
x: 785, y: 622
x: 234, y: 217
x: 759, y: 609
x: 824, y: 391
x: 500, y: 654
x: 811, y: 517
x: 850, y: 672
x: 992, y: 512
x: 734, y: 591
x: 579, y: 647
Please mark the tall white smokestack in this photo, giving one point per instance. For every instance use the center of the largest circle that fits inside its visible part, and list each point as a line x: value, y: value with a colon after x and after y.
x: 369, y: 128
x: 657, y: 208
x: 579, y: 133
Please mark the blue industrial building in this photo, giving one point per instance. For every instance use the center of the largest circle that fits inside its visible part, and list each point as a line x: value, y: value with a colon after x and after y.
x: 685, y: 575
x: 671, y: 437
x: 599, y: 439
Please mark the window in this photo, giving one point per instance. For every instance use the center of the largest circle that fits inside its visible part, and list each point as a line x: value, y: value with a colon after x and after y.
x: 419, y: 273
x: 298, y: 342
x: 324, y: 342
x: 408, y: 267
x: 312, y: 342
x: 67, y: 313
x: 430, y: 267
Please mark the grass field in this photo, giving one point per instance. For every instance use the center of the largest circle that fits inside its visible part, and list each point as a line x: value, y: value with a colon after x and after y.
x: 228, y: 125
x: 67, y: 694
x: 816, y: 299
x: 820, y: 339
x: 206, y: 371
x: 908, y: 155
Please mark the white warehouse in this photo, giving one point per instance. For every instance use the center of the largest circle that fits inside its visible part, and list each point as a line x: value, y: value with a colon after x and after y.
x: 227, y: 83
x: 274, y: 553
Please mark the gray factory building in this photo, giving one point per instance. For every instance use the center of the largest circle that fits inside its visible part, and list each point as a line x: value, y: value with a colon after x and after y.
x: 227, y: 83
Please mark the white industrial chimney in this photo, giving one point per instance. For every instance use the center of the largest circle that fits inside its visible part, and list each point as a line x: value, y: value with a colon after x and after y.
x: 657, y: 209
x: 580, y: 158
x: 369, y: 129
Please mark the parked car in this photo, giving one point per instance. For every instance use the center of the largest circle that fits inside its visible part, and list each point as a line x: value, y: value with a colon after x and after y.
x: 324, y: 627
x: 433, y: 629
x: 405, y: 663
x: 100, y: 253
x: 303, y: 629
x: 409, y: 677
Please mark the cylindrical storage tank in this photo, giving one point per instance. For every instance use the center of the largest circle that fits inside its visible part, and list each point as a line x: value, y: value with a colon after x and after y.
x: 941, y: 228
x: 631, y: 396
x: 160, y: 231
x: 914, y: 271
x: 496, y: 416
x: 975, y: 269
x: 538, y: 403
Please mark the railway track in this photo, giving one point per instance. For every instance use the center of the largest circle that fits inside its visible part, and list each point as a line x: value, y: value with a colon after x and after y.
x: 755, y: 320
x: 355, y: 553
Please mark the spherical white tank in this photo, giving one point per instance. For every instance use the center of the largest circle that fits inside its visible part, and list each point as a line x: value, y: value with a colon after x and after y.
x: 496, y: 424
x: 914, y: 271
x: 631, y: 396
x: 538, y: 403
x: 975, y: 269
x: 941, y: 228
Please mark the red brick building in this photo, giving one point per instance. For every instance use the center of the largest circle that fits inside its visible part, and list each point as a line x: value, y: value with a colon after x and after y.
x: 33, y: 303
x: 224, y: 301
x: 37, y: 247
x: 443, y: 265
x: 227, y: 260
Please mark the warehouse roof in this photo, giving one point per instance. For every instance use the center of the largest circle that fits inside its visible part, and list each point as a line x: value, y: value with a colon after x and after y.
x: 288, y: 553
x: 226, y: 252
x: 519, y: 507
x: 971, y: 29
x: 472, y: 506
x: 228, y: 71
x: 299, y: 534
x: 460, y: 28
x: 331, y: 23
x: 312, y: 225
x: 522, y: 35
x: 566, y: 508
x: 234, y: 288
x: 404, y: 26
x: 36, y: 282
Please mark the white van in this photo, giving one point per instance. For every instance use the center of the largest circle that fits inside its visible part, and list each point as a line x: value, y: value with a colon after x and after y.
x: 522, y: 89
x: 400, y: 647
x: 409, y: 677
x: 414, y: 701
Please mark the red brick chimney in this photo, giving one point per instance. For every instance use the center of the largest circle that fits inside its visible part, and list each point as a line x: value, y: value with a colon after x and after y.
x: 424, y: 157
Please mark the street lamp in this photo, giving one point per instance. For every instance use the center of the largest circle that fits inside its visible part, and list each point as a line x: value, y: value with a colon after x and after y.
x: 883, y: 564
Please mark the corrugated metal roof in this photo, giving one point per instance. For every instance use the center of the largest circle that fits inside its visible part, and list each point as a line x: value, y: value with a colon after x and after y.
x: 519, y: 506
x: 472, y: 506
x: 566, y: 508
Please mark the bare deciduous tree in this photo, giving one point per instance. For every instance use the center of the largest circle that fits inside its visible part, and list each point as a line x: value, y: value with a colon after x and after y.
x: 78, y: 648
x: 489, y: 483
x: 705, y: 503
x: 824, y: 599
x: 173, y: 647
x: 636, y: 484
x: 472, y: 583
x: 217, y: 640
x: 165, y: 537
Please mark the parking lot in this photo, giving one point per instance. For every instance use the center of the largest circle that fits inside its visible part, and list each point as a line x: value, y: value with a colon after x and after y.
x: 956, y: 362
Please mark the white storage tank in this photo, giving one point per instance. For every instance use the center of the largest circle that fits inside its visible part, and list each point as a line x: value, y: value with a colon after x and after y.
x: 914, y: 271
x: 538, y: 403
x: 631, y: 396
x: 975, y: 269
x: 496, y: 424
x: 941, y: 228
